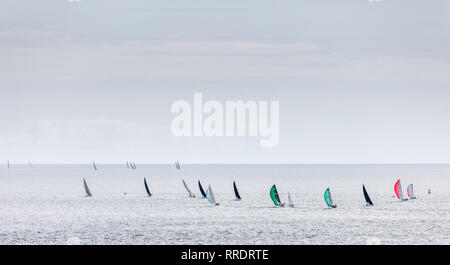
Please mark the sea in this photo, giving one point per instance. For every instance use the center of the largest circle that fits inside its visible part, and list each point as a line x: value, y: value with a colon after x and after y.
x: 46, y: 204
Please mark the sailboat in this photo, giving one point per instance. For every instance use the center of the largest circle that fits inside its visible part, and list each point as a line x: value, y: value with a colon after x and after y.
x: 86, y: 188
x: 177, y: 165
x: 210, y: 196
x: 188, y: 190
x: 366, y: 196
x: 128, y: 165
x: 95, y: 167
x: 9, y: 165
x: 146, y: 188
x: 398, y: 191
x: 201, y: 189
x: 290, y: 203
x: 133, y: 165
x: 411, y: 192
x: 275, y: 197
x: 236, y: 192
x: 328, y: 199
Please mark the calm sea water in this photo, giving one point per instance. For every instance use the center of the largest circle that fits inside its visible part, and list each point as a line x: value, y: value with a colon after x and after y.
x: 45, y: 204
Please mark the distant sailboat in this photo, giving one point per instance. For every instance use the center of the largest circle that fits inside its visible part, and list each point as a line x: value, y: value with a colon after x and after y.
x: 275, y: 197
x: 328, y: 199
x: 128, y: 165
x: 290, y: 203
x: 177, y: 165
x: 236, y: 192
x: 210, y: 196
x: 192, y: 195
x: 95, y: 166
x: 8, y: 164
x: 133, y: 165
x: 29, y: 164
x: 201, y: 189
x: 411, y: 192
x: 86, y: 188
x: 366, y: 196
x: 398, y: 191
x: 146, y: 188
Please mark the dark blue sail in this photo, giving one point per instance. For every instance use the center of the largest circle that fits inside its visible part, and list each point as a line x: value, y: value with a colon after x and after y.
x: 201, y: 189
x: 236, y: 192
x: 146, y: 188
x: 95, y: 167
x: 366, y: 196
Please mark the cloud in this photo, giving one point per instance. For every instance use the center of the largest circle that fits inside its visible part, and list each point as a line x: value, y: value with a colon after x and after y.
x: 115, y: 124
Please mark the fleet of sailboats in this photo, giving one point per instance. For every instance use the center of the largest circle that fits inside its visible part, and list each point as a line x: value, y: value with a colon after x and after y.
x: 209, y: 195
x: 274, y: 195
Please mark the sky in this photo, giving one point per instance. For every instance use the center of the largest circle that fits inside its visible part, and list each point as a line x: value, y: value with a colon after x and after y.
x: 357, y: 81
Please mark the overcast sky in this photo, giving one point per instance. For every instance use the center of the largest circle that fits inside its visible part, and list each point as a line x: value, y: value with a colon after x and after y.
x: 357, y: 81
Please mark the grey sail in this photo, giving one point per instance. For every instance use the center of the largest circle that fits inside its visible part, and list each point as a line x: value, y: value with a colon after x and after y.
x: 192, y: 195
x: 86, y: 188
x: 210, y: 196
x: 290, y: 203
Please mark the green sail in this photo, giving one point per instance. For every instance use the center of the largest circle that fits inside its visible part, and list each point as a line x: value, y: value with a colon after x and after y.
x: 327, y: 197
x: 273, y: 190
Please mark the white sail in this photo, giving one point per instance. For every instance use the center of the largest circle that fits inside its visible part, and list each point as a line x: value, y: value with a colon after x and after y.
x: 210, y: 196
x: 188, y: 190
x: 290, y: 203
x: 400, y: 191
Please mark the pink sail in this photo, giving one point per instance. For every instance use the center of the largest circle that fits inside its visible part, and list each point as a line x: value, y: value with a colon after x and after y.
x: 397, y: 189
